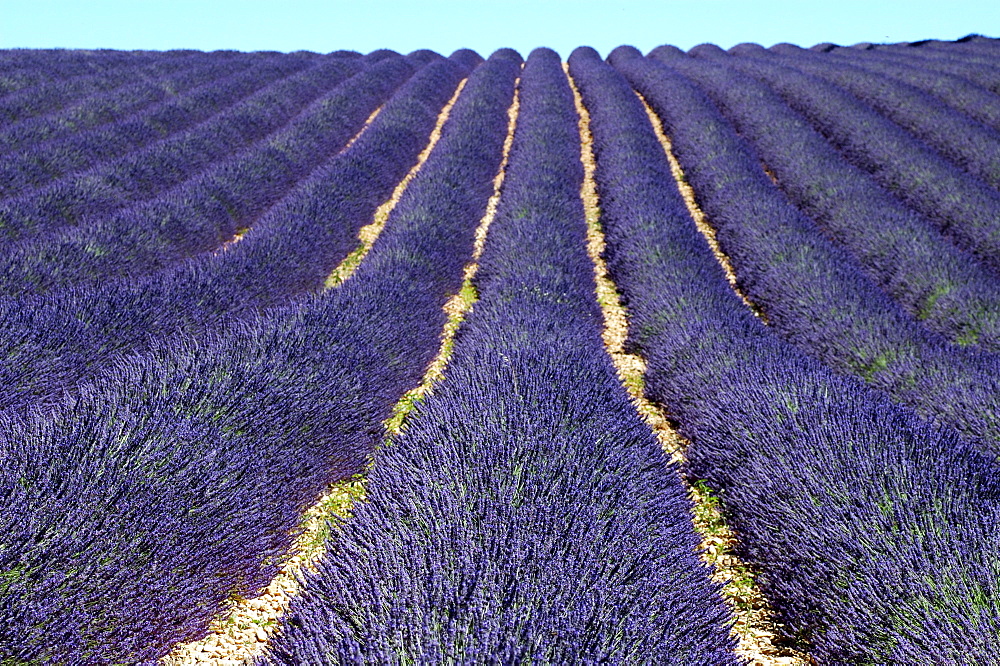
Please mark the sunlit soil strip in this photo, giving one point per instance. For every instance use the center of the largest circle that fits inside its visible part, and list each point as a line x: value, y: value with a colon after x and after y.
x: 696, y: 213
x: 242, y: 231
x: 241, y: 634
x: 770, y: 174
x: 753, y: 627
x: 237, y: 237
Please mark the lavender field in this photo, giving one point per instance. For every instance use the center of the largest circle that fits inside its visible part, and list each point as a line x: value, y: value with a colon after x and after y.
x: 676, y: 358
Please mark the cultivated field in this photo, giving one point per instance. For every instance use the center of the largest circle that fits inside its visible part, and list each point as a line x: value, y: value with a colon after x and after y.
x: 677, y: 358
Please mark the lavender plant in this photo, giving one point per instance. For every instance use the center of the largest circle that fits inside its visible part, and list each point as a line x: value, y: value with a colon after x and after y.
x: 965, y: 142
x: 965, y: 208
x: 223, y: 85
x: 938, y: 284
x: 815, y: 294
x: 78, y: 198
x: 198, y: 215
x: 957, y: 92
x: 58, y: 340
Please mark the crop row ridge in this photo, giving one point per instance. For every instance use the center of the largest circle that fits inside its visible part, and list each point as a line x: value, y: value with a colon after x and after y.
x: 700, y: 220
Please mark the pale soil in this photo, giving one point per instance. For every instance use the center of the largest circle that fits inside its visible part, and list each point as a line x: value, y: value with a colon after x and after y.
x: 754, y: 628
x: 770, y: 174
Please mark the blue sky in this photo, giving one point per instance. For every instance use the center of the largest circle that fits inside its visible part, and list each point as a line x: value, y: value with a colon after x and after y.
x: 445, y: 25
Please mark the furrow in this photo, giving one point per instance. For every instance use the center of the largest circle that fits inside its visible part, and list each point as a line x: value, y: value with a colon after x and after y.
x: 754, y: 623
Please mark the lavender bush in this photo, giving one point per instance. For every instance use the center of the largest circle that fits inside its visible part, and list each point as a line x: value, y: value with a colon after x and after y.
x: 200, y: 214
x: 55, y: 341
x: 966, y: 142
x: 964, y: 207
x: 223, y: 85
x: 78, y: 198
x: 943, y: 287
x: 815, y: 294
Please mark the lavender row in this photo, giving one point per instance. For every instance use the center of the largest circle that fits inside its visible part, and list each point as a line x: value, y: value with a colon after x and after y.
x: 22, y: 68
x: 956, y: 91
x: 813, y: 292
x: 983, y: 74
x: 964, y: 207
x: 56, y: 341
x: 467, y: 58
x: 944, y: 58
x: 943, y: 287
x: 190, y: 466
x: 966, y: 142
x: 975, y: 48
x: 105, y: 107
x: 199, y: 215
x: 527, y: 515
x: 48, y: 96
x: 224, y: 84
x: 870, y: 529
x: 82, y: 197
